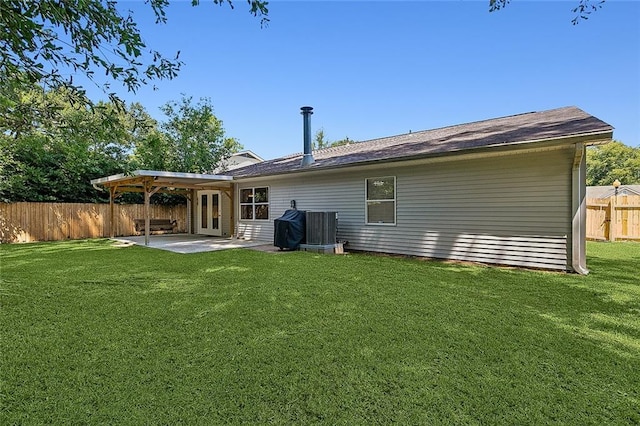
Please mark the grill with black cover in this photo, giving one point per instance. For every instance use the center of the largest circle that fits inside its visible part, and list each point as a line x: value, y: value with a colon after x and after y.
x: 289, y: 230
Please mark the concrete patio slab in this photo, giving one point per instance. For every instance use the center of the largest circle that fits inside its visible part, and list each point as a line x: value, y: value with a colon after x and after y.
x: 189, y: 243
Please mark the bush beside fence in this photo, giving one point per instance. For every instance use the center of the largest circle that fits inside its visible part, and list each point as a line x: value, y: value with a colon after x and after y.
x: 26, y: 222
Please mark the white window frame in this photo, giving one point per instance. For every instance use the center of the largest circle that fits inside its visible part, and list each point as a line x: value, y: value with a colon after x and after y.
x: 253, y: 204
x: 367, y: 201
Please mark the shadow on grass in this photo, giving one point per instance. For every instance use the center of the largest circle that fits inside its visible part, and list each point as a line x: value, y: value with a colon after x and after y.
x: 603, y: 307
x: 607, y: 301
x: 58, y: 247
x: 373, y: 334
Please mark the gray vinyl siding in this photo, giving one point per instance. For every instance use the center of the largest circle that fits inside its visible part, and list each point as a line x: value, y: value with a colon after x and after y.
x: 513, y: 210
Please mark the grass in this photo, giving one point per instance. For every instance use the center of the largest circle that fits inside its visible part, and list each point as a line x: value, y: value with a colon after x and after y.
x: 94, y: 333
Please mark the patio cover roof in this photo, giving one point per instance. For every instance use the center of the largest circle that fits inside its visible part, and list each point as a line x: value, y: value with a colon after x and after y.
x: 137, y: 180
x: 151, y: 182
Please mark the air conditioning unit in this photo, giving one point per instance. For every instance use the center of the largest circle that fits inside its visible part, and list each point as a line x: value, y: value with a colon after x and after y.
x: 322, y: 227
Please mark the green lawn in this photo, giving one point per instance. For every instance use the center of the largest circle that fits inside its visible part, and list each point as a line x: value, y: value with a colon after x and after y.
x: 94, y: 333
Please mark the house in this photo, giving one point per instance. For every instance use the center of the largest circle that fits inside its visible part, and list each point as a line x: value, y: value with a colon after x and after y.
x: 507, y: 191
x: 240, y: 159
x: 609, y: 191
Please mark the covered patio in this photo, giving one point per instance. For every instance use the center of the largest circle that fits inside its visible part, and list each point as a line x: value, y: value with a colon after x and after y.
x: 150, y: 182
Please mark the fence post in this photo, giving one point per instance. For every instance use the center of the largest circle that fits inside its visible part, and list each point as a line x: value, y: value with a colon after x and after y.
x: 612, y: 219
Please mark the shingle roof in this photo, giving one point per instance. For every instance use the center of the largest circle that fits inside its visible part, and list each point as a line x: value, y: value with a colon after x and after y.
x: 609, y: 191
x: 497, y: 132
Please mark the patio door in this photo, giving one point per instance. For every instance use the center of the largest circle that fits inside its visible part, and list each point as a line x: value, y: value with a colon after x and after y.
x: 209, y: 219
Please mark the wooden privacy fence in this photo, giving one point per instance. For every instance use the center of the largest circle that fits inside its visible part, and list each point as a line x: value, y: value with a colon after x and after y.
x: 25, y: 222
x: 615, y: 218
x: 607, y: 219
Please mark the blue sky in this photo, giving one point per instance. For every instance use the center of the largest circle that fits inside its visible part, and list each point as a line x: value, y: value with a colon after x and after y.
x: 379, y: 68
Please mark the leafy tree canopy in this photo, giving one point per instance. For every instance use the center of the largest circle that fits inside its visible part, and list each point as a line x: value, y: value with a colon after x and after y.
x: 195, y: 137
x: 55, y: 159
x: 41, y: 41
x: 345, y: 141
x: 615, y: 160
x: 582, y: 10
x: 321, y: 141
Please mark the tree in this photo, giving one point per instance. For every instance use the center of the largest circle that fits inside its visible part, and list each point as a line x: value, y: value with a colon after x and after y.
x: 54, y: 159
x: 345, y: 141
x: 151, y: 152
x: 150, y: 146
x: 615, y: 160
x: 582, y: 10
x: 195, y: 138
x: 42, y: 40
x: 320, y: 141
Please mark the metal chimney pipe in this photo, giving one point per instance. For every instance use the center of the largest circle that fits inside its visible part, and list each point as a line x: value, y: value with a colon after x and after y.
x: 307, y: 158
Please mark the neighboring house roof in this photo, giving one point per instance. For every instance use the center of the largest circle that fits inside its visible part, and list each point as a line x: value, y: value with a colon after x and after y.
x: 609, y: 191
x: 239, y: 159
x: 247, y: 154
x: 495, y: 133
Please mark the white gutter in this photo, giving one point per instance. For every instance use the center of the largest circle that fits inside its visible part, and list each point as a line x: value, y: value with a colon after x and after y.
x: 579, y: 211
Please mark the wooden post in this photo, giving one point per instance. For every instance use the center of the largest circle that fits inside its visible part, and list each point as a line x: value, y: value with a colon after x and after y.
x: 148, y: 192
x: 189, y: 214
x: 112, y: 195
x: 612, y: 219
x: 147, y: 212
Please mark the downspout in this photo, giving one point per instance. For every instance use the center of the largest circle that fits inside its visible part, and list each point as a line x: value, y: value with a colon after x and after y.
x: 579, y: 211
